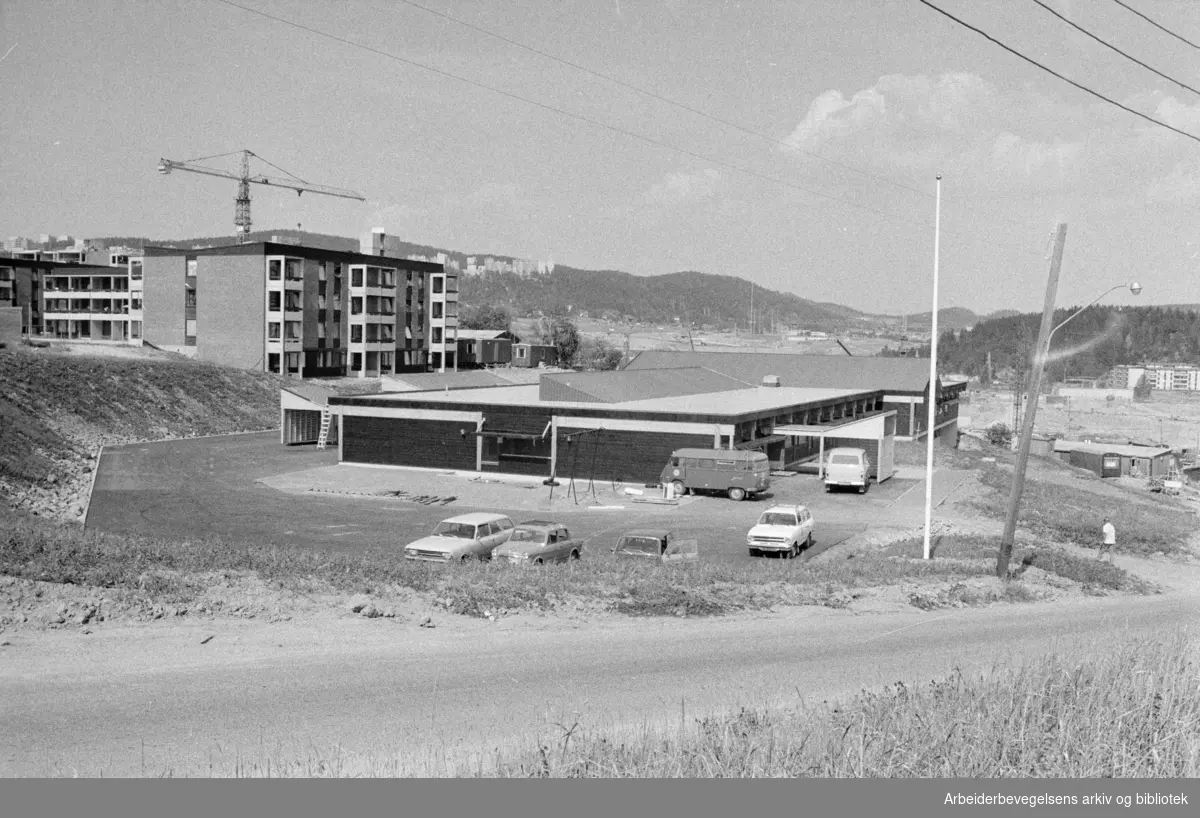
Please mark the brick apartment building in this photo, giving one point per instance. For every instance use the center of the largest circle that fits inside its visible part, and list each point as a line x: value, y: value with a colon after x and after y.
x: 298, y: 310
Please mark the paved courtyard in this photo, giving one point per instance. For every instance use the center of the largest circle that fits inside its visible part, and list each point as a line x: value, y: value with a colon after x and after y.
x: 250, y: 488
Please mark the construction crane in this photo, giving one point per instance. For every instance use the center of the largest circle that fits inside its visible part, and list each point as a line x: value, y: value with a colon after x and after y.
x: 241, y: 213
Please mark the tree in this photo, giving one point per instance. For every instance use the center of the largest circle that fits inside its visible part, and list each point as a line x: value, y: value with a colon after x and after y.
x: 998, y: 434
x: 598, y: 354
x: 487, y: 317
x: 560, y: 332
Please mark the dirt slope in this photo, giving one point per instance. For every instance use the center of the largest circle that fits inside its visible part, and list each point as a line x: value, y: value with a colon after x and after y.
x: 57, y: 409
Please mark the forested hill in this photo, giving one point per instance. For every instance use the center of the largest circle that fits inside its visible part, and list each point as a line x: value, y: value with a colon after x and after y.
x: 702, y: 298
x: 1101, y: 337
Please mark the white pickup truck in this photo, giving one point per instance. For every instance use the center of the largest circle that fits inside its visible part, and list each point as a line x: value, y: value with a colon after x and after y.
x: 782, y: 530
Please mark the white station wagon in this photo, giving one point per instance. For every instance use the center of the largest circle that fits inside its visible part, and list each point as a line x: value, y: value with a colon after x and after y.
x: 782, y: 530
x: 458, y: 539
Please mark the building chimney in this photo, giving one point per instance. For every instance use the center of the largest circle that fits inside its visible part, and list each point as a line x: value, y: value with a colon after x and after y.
x: 770, y: 380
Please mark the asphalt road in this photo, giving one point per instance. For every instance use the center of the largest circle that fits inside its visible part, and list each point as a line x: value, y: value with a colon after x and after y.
x: 77, y: 704
x: 176, y: 489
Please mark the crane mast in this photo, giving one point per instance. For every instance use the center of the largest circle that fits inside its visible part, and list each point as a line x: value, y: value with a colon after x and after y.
x: 241, y: 213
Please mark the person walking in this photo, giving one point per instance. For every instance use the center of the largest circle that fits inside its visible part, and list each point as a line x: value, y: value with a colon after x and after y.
x: 1110, y: 541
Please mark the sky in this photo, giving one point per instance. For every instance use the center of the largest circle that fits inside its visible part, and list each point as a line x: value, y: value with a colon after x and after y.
x: 807, y: 162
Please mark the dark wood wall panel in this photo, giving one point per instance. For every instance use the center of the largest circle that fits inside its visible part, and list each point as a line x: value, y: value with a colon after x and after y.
x: 437, y: 444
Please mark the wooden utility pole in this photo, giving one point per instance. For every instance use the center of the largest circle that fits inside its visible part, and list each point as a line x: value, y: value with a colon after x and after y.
x: 1035, y: 386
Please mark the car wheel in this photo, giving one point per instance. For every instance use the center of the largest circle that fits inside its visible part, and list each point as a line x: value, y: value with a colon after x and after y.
x: 754, y: 552
x: 808, y: 542
x: 466, y: 557
x: 574, y: 554
x: 737, y: 494
x: 680, y: 488
x: 538, y: 561
x: 867, y: 486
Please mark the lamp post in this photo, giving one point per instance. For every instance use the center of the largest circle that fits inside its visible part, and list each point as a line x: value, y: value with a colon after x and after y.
x: 1035, y: 382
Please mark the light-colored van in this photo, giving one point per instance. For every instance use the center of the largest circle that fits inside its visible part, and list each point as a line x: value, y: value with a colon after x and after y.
x: 848, y: 467
x: 734, y: 472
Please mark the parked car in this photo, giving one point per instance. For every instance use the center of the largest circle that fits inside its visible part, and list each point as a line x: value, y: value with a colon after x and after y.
x: 644, y: 543
x: 782, y: 530
x: 540, y: 541
x: 467, y: 536
x: 734, y: 472
x: 848, y: 467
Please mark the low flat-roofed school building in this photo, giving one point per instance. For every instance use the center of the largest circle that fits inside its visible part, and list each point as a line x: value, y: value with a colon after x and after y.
x: 608, y: 425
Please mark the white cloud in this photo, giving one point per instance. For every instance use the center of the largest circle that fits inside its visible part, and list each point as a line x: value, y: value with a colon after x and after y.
x: 680, y: 188
x: 1017, y: 139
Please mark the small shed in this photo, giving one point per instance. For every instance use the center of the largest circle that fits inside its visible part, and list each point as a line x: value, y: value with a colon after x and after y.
x: 1116, y: 459
x: 300, y: 408
x: 531, y: 355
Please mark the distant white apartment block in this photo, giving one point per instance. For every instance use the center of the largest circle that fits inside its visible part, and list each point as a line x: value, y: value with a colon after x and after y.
x: 1165, y: 376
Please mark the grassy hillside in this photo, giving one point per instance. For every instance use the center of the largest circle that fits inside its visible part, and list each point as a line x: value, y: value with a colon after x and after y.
x: 57, y: 409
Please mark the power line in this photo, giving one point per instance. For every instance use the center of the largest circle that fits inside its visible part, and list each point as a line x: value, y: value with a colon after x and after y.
x: 1032, y: 61
x: 1106, y: 44
x: 660, y: 98
x: 614, y: 129
x: 1156, y: 25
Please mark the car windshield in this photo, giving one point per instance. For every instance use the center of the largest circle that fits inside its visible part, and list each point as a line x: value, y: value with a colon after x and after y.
x: 844, y: 459
x: 639, y: 545
x: 448, y: 529
x: 525, y: 535
x: 777, y: 518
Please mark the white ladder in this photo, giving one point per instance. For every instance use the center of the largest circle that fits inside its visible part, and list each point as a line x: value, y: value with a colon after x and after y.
x: 326, y: 420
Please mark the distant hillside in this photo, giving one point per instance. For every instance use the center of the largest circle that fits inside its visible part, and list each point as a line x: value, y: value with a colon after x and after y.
x: 948, y: 318
x: 702, y: 298
x: 1100, y: 338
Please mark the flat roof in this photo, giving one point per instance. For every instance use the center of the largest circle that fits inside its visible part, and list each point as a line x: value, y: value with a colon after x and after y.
x: 270, y: 248
x: 1124, y: 450
x: 732, y: 403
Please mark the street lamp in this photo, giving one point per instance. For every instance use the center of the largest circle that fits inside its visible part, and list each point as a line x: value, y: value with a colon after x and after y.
x: 1035, y: 384
x: 1133, y: 287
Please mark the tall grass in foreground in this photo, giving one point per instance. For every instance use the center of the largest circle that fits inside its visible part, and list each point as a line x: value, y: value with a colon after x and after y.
x: 1133, y: 712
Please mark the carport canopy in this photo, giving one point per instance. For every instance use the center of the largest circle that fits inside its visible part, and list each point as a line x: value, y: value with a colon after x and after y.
x: 851, y: 428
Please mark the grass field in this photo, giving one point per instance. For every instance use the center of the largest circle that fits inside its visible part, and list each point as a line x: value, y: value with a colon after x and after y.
x: 174, y: 572
x: 1074, y: 515
x: 1130, y: 711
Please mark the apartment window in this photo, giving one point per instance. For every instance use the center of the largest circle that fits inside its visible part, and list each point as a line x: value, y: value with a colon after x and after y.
x: 356, y: 276
x: 273, y: 301
x: 356, y: 305
x: 451, y: 284
x: 135, y: 304
x: 372, y: 276
x: 135, y: 329
x: 189, y: 298
x: 356, y: 362
x: 437, y: 309
x: 273, y: 362
x: 192, y: 264
x: 273, y: 331
x: 437, y: 284
x: 389, y: 278
x: 293, y: 300
x: 321, y: 288
x: 437, y: 335
x: 292, y: 328
x: 135, y: 270
x: 320, y: 316
x: 292, y: 270
x: 385, y: 360
x: 356, y: 334
x: 372, y: 333
x: 275, y: 272
x: 320, y: 331
x: 293, y: 361
x: 386, y: 335
x: 435, y: 360
x: 320, y: 271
